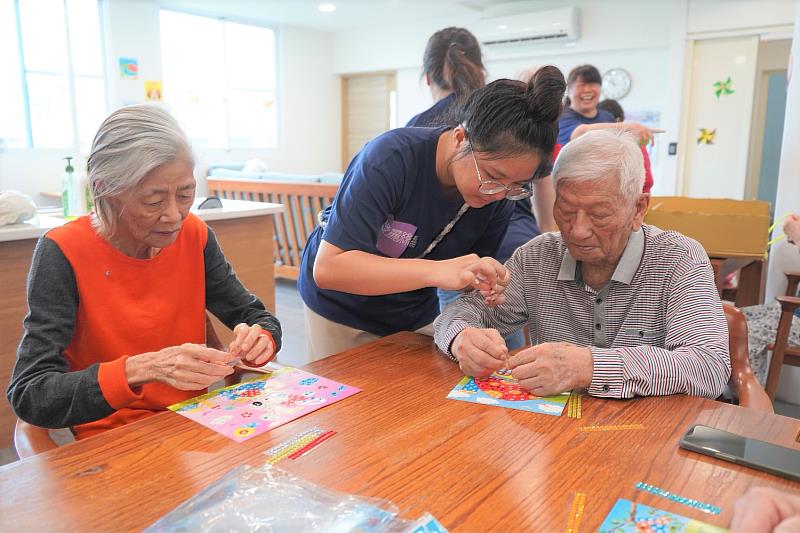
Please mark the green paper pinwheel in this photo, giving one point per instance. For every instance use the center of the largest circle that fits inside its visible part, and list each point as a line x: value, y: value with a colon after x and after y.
x: 723, y: 87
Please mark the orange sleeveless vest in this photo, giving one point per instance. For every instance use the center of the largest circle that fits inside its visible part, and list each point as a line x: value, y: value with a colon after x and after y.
x: 129, y: 306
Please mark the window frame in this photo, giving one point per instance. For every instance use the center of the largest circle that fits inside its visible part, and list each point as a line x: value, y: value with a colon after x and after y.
x: 277, y: 90
x: 70, y: 76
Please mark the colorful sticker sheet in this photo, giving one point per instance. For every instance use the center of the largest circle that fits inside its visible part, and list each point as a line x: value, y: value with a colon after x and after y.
x: 504, y: 391
x: 627, y: 516
x: 250, y: 408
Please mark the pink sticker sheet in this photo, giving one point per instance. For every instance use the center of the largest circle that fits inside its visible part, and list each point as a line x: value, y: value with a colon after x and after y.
x: 253, y: 407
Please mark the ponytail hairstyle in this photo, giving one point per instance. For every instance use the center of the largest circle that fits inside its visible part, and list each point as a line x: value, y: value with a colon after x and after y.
x: 453, y: 61
x: 510, y: 117
x: 584, y: 73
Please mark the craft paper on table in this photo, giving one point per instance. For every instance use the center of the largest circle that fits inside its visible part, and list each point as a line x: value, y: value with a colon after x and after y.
x: 251, y: 408
x: 627, y: 516
x: 502, y: 390
x: 128, y: 68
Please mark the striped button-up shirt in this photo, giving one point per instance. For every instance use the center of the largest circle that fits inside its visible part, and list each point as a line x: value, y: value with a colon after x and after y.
x: 656, y: 328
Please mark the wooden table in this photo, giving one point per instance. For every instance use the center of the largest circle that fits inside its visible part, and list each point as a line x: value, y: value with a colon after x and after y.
x: 245, y: 231
x: 474, y: 467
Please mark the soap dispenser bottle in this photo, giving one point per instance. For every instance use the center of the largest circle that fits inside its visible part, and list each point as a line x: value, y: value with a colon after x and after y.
x: 66, y: 188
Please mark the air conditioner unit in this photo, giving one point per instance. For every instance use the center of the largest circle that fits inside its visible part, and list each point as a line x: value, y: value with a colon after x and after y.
x: 557, y: 25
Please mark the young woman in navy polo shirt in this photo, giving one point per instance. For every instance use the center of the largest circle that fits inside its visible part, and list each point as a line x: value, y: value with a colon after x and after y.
x: 421, y: 208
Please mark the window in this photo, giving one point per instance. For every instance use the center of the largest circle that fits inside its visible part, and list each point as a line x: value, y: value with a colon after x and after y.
x: 219, y: 80
x: 51, y: 56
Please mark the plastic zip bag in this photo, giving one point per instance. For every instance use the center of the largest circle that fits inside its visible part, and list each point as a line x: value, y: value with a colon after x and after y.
x: 270, y: 499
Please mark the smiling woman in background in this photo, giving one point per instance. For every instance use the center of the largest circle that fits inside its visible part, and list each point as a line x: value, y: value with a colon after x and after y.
x: 426, y: 207
x: 583, y: 95
x: 116, y: 328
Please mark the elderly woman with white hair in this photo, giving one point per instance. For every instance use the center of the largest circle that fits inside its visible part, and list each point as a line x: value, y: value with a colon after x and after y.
x: 613, y: 305
x: 116, y: 328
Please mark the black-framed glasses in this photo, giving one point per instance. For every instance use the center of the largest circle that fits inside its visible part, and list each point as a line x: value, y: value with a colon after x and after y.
x: 495, y: 187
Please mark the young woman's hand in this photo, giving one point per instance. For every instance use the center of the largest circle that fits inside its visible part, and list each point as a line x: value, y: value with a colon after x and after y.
x: 185, y: 367
x: 483, y: 274
x: 489, y: 277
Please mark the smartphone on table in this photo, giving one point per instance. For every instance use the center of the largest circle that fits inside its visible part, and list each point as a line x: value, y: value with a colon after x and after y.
x: 754, y: 453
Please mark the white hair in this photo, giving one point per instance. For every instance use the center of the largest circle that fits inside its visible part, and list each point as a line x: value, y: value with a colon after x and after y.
x: 599, y: 153
x: 130, y: 143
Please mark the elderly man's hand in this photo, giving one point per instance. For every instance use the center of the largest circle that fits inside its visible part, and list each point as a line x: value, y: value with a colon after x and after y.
x: 552, y: 368
x: 251, y: 344
x: 479, y: 351
x: 764, y: 509
x: 185, y: 367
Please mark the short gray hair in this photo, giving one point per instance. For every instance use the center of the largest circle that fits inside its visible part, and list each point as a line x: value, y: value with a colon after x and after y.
x: 598, y: 153
x: 131, y: 142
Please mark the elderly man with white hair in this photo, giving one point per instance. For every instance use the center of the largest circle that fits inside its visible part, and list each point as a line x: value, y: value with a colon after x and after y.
x: 613, y: 305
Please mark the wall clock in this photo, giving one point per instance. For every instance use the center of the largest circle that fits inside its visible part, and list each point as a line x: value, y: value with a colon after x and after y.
x: 616, y: 83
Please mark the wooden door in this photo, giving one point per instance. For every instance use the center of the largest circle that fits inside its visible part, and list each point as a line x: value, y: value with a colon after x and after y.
x: 368, y: 109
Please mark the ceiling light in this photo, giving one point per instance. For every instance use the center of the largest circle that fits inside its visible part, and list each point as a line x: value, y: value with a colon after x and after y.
x: 502, y: 27
x: 327, y: 8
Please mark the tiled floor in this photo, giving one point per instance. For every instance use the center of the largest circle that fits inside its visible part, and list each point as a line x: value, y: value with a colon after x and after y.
x: 290, y: 313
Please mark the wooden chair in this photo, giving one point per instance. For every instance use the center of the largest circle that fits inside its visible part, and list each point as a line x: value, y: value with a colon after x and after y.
x: 743, y: 382
x: 302, y: 202
x: 782, y: 352
x: 30, y: 440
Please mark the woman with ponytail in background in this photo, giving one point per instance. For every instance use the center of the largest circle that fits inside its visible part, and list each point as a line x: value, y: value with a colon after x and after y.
x: 453, y: 69
x: 421, y: 208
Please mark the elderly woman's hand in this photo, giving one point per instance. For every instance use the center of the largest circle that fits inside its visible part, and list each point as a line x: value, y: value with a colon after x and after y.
x: 251, y: 344
x: 186, y: 367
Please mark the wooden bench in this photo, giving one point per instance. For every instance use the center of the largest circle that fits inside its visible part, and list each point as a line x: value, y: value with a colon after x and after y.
x: 302, y: 202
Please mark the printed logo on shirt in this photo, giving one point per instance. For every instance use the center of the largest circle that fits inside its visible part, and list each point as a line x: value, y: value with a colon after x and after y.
x: 395, y: 237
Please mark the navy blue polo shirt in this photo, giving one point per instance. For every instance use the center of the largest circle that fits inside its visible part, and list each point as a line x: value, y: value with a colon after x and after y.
x: 391, y: 204
x: 571, y: 119
x: 434, y: 115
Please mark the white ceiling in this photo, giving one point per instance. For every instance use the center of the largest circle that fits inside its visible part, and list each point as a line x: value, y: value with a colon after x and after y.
x: 349, y: 14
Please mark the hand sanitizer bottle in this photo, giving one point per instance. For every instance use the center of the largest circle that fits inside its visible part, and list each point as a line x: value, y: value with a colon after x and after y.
x: 66, y: 188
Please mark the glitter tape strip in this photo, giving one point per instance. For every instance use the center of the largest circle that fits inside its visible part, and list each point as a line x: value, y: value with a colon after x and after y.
x: 700, y: 506
x: 313, y: 444
x: 574, y: 405
x: 290, y: 446
x: 611, y: 428
x: 576, y: 512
